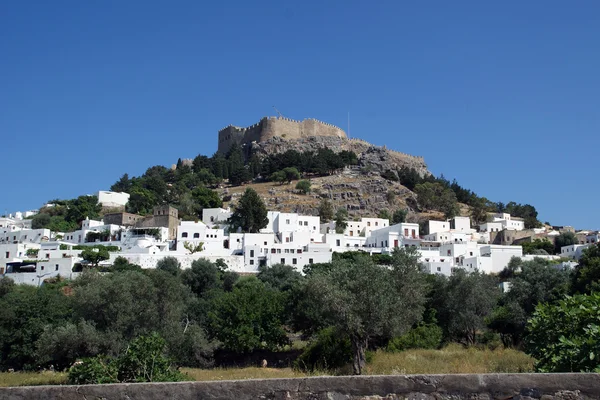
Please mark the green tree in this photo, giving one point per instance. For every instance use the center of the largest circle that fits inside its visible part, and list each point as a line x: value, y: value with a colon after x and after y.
x: 95, y: 255
x: 83, y: 207
x: 250, y: 213
x: 40, y: 221
x: 538, y: 246
x: 248, y: 318
x: 279, y: 276
x: 303, y: 186
x: 291, y: 174
x: 399, y: 216
x: 121, y: 264
x: 531, y: 283
x: 478, y: 211
x: 384, y: 214
x: 365, y: 300
x: 468, y: 298
x: 170, y: 265
x: 586, y: 278
x: 278, y: 176
x: 25, y: 312
x: 122, y: 185
x: 141, y: 201
x: 240, y: 176
x: 341, y: 217
x: 325, y: 210
x: 205, y: 198
x: 565, y: 336
x: 564, y: 239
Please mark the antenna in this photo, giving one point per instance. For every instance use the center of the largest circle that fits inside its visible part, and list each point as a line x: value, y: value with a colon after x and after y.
x: 277, y: 111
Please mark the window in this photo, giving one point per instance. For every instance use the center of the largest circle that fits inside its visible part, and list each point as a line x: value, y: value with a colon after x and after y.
x: 184, y: 234
x: 305, y: 223
x: 251, y: 262
x: 7, y: 254
x: 405, y: 232
x: 272, y: 251
x: 310, y: 260
x: 42, y: 267
x: 368, y: 224
x: 470, y: 253
x: 414, y: 234
x: 294, y: 261
x: 283, y: 261
x: 376, y: 223
x: 439, y: 269
x: 56, y: 267
x: 47, y: 255
x: 449, y: 253
x: 337, y: 243
x: 299, y: 251
x: 287, y: 221
x: 251, y: 253
x: 278, y: 251
x: 287, y: 239
x: 265, y: 243
x: 196, y: 235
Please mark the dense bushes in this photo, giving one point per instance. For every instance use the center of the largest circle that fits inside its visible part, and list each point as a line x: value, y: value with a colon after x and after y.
x: 329, y: 350
x: 142, y: 361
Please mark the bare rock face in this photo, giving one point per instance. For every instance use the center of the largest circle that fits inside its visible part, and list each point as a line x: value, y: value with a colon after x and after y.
x: 370, y: 157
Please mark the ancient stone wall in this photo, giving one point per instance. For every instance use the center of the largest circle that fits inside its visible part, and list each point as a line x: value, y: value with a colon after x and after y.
x: 396, y: 387
x: 270, y: 127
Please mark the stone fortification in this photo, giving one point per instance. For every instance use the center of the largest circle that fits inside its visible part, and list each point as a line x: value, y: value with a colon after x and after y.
x: 270, y: 127
x: 396, y: 387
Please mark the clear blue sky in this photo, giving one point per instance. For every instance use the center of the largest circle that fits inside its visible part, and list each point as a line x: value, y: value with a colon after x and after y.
x: 503, y: 96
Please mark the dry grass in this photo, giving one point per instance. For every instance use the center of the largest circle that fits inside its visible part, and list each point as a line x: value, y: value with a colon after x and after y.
x: 220, y: 374
x: 453, y: 359
x: 32, y: 378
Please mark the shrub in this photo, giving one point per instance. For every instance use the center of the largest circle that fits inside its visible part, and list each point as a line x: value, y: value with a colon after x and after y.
x: 303, y: 186
x: 97, y: 370
x: 424, y: 336
x: 329, y: 350
x: 142, y: 361
x: 565, y: 336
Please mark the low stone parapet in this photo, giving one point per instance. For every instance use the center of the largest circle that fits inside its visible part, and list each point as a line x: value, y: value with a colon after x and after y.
x: 421, y: 387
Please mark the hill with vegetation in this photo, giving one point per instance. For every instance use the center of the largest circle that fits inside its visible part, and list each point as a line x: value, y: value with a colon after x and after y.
x: 296, y: 176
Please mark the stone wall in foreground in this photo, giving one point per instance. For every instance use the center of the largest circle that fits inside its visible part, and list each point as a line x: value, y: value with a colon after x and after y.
x: 416, y: 387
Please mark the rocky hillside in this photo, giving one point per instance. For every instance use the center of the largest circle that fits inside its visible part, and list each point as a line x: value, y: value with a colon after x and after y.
x: 362, y: 194
x: 371, y: 157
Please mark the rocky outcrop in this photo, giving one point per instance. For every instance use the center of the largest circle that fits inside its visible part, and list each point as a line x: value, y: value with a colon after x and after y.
x: 376, y: 158
x: 422, y: 387
x: 362, y: 194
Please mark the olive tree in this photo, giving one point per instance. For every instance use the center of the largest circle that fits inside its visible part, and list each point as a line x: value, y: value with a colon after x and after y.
x: 363, y: 299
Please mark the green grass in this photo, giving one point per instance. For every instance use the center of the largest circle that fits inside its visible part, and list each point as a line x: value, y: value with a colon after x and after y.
x: 453, y: 359
x: 32, y: 378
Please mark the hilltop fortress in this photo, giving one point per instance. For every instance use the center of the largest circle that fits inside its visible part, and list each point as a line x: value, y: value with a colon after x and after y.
x: 270, y: 127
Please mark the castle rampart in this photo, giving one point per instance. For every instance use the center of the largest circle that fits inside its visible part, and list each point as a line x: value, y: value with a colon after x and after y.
x: 269, y: 127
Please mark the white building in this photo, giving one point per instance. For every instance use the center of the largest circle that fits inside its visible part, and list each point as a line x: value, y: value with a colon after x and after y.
x: 574, y: 251
x: 95, y: 232
x: 112, y: 199
x: 215, y: 216
x: 404, y: 234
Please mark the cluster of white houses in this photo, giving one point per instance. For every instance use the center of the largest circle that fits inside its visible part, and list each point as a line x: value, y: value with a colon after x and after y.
x: 32, y: 255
